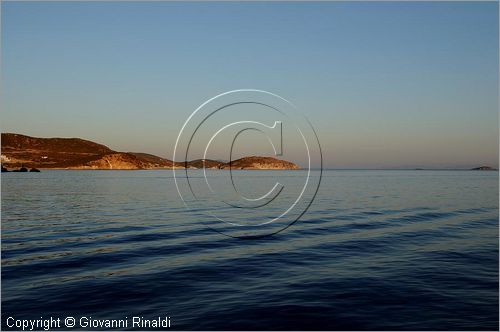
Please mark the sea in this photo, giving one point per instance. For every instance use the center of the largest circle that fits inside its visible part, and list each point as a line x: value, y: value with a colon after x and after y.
x: 376, y: 250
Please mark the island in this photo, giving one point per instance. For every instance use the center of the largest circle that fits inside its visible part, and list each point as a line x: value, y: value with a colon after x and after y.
x: 484, y: 168
x: 22, y: 151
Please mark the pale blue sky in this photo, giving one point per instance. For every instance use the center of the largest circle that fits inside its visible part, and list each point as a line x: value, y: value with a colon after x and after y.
x: 384, y: 84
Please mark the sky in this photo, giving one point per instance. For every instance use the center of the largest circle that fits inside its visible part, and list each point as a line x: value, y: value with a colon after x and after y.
x: 385, y: 85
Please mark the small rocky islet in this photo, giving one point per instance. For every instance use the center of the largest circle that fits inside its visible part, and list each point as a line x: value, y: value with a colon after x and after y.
x: 484, y: 168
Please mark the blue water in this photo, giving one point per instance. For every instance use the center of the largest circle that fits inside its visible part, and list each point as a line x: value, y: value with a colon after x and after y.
x: 394, y: 250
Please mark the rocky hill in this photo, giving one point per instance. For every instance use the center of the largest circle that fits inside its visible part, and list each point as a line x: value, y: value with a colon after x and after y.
x: 75, y: 153
x: 152, y: 159
x: 207, y: 163
x: 255, y: 162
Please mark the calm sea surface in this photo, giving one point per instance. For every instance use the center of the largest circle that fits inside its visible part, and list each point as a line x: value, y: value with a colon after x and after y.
x: 399, y: 250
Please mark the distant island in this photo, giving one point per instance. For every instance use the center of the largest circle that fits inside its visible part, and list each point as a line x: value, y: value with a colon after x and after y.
x: 484, y: 168
x: 21, y: 151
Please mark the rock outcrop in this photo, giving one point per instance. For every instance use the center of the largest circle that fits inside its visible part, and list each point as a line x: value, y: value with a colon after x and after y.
x: 255, y: 162
x: 484, y: 168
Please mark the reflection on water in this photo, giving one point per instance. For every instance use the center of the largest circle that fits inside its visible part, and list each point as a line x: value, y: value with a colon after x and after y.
x: 377, y: 250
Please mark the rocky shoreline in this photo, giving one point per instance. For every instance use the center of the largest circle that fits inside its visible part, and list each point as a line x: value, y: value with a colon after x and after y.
x: 22, y: 170
x: 21, y: 151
